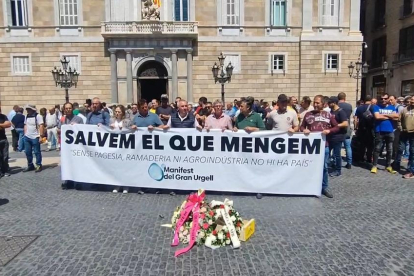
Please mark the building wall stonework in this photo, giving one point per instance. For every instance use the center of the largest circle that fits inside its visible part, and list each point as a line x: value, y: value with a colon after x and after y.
x: 39, y: 88
x: 314, y: 80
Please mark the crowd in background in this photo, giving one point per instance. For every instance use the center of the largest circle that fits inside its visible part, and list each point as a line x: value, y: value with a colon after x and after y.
x: 388, y: 123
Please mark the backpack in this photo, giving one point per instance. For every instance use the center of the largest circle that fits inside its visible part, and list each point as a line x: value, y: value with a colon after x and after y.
x: 35, y: 117
x: 367, y: 115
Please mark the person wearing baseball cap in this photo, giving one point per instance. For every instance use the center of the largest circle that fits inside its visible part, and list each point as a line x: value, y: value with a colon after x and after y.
x: 336, y: 139
x: 34, y: 127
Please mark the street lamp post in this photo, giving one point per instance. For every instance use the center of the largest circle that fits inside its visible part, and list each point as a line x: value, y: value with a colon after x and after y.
x: 388, y: 72
x: 358, y: 66
x: 66, y: 78
x: 222, y: 77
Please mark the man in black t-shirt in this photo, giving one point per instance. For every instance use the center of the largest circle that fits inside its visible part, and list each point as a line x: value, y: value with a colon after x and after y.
x: 4, y: 145
x: 347, y: 142
x: 165, y: 110
x: 336, y: 139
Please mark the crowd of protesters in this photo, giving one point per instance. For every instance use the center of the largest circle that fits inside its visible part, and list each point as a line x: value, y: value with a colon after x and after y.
x: 388, y: 123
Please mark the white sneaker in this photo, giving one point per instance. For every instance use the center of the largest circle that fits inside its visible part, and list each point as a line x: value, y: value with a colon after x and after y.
x: 126, y: 190
x: 115, y: 190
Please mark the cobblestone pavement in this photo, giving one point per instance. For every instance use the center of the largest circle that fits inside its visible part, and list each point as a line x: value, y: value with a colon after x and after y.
x: 367, y: 229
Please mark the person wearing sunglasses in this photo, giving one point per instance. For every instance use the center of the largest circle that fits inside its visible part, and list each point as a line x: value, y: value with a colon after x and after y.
x: 384, y: 114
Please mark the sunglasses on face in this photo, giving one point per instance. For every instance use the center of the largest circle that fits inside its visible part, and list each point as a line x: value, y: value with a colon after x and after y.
x: 384, y: 99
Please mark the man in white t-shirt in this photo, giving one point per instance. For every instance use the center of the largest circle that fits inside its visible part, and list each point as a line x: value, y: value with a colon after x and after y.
x: 283, y: 119
x: 33, y: 126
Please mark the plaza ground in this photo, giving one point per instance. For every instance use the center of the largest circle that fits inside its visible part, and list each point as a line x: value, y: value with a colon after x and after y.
x: 367, y: 229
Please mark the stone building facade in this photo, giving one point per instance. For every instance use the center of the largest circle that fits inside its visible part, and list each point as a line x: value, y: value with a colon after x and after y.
x: 389, y: 33
x: 131, y: 49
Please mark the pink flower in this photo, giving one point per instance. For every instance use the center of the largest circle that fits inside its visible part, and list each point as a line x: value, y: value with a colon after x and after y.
x: 211, y: 213
x: 205, y: 226
x: 203, y: 216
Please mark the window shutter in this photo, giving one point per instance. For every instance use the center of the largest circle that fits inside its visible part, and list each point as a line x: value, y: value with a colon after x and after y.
x: 224, y: 12
x: 177, y: 10
x: 236, y: 12
x: 9, y: 12
x: 185, y: 10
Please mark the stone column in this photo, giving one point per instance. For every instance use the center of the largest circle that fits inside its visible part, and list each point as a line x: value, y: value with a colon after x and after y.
x: 354, y: 17
x: 190, y: 75
x: 307, y: 15
x: 114, y: 77
x: 130, y: 97
x: 174, y: 74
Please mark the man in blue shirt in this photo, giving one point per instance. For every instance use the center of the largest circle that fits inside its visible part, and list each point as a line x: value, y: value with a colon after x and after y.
x: 384, y: 114
x: 144, y: 118
x: 98, y: 116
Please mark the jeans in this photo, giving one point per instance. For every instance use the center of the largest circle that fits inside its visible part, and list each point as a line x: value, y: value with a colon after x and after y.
x: 4, y: 156
x: 52, y: 137
x: 396, y: 144
x: 404, y: 139
x: 30, y: 146
x: 366, y: 137
x: 20, y: 143
x: 325, y: 170
x: 348, y: 150
x: 336, y: 154
x: 380, y: 138
x: 15, y: 138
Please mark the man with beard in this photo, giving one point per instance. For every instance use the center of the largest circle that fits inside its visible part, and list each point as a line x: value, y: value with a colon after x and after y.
x: 406, y: 125
x: 384, y: 114
x: 318, y: 120
x: 164, y: 111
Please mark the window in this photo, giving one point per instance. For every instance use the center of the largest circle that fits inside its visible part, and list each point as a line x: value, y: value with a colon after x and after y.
x: 74, y: 61
x: 406, y: 47
x: 331, y: 62
x: 21, y: 64
x: 181, y: 10
x: 407, y: 8
x: 232, y: 12
x: 329, y: 12
x: 379, y: 51
x: 379, y: 14
x: 18, y: 10
x: 278, y: 63
x: 68, y: 12
x: 407, y: 87
x: 278, y: 13
x: 235, y: 61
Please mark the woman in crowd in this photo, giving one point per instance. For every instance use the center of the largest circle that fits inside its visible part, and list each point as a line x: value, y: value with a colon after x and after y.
x: 248, y: 120
x: 120, y: 122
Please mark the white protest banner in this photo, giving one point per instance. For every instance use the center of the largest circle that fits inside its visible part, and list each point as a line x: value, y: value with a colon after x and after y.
x: 187, y: 159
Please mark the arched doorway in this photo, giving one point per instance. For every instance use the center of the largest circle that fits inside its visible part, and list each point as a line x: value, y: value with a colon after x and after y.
x: 152, y: 80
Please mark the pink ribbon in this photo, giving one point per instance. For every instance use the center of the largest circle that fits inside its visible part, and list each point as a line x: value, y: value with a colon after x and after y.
x: 192, y: 205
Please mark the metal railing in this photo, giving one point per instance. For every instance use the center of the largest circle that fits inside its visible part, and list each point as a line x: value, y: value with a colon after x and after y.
x: 406, y: 56
x: 149, y: 27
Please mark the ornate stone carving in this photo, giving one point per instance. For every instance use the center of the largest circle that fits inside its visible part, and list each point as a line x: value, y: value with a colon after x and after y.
x: 150, y: 72
x: 151, y: 9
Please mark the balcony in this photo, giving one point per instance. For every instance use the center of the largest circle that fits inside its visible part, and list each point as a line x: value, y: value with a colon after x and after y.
x: 150, y: 29
x: 404, y: 58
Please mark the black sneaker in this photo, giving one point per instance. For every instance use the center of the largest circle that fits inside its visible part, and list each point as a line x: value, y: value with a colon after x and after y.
x: 348, y: 166
x: 335, y: 174
x: 327, y: 193
x: 38, y: 169
x: 78, y: 186
x: 64, y: 185
x: 28, y: 169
